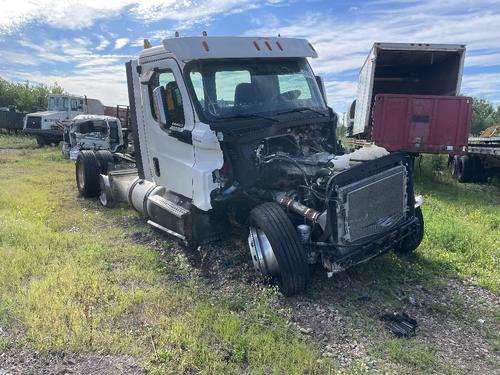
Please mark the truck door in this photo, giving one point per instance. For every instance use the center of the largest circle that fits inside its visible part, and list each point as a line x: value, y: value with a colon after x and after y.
x: 75, y: 107
x: 170, y: 151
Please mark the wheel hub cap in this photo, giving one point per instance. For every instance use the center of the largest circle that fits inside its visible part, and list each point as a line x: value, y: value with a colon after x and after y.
x: 262, y: 253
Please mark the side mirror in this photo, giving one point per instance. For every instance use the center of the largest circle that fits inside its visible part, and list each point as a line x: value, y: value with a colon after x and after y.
x: 159, y: 100
x: 321, y: 86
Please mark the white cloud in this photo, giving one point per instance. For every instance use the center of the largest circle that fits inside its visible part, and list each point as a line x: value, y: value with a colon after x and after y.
x: 75, y: 14
x: 100, y: 76
x: 484, y: 85
x: 68, y: 14
x: 67, y: 51
x: 107, y: 84
x: 344, y: 43
x: 121, y: 42
x: 103, y: 43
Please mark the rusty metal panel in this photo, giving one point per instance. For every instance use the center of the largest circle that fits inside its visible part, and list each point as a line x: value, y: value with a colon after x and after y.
x: 422, y: 123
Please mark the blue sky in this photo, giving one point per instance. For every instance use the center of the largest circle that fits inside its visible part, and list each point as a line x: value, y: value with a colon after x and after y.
x: 83, y: 45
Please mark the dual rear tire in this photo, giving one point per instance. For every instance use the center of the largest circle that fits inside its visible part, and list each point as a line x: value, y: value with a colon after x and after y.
x: 468, y: 168
x: 89, y: 165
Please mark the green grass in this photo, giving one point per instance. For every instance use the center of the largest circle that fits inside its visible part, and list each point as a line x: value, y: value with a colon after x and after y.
x: 5, y: 343
x: 9, y: 140
x: 71, y: 279
x: 462, y: 225
x: 418, y: 356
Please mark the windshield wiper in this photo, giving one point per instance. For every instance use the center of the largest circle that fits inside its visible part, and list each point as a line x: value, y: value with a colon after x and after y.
x: 301, y: 109
x: 249, y: 115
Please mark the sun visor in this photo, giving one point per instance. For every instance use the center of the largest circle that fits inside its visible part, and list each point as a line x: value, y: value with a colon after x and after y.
x: 195, y: 48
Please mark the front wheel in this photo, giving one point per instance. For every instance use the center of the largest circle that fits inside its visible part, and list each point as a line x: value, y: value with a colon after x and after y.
x: 410, y: 243
x: 276, y: 250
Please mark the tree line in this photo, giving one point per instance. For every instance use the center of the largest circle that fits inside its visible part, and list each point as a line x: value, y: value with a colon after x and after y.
x: 484, y: 115
x: 26, y: 97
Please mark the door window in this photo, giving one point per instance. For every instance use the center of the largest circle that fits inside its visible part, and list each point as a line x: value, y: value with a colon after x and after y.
x: 74, y: 104
x: 173, y: 96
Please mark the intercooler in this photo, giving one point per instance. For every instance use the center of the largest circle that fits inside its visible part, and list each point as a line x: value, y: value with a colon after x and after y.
x: 371, y: 206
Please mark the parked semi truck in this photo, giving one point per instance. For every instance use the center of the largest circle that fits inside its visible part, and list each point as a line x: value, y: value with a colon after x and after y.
x: 481, y: 159
x: 237, y: 130
x: 47, y: 126
x: 408, y: 99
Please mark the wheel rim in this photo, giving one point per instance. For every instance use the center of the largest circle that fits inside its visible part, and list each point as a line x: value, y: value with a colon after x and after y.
x: 262, y: 253
x: 81, y: 176
x: 103, y: 198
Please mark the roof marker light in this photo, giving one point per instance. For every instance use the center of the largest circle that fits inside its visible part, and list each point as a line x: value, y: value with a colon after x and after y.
x: 268, y: 45
x: 256, y: 45
x: 205, y: 45
x: 279, y: 45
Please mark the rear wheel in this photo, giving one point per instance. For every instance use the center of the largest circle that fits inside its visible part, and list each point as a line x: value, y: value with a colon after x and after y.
x: 411, y: 242
x: 276, y: 249
x: 87, y: 174
x: 106, y: 160
x: 453, y: 163
x: 465, y: 170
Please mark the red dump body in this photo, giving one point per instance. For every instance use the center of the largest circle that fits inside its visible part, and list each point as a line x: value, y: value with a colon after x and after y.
x: 422, y: 123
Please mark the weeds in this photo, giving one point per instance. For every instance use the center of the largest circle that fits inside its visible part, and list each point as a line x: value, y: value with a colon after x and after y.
x: 72, y: 279
x: 70, y: 275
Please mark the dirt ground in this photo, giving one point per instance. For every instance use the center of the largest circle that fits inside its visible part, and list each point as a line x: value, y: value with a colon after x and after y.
x: 339, y: 315
x: 343, y: 328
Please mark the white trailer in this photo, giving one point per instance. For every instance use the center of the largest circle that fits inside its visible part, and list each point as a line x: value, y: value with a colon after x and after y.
x: 238, y: 127
x: 405, y: 68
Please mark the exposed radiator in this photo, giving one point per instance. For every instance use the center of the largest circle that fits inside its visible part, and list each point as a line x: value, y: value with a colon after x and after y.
x: 372, y: 205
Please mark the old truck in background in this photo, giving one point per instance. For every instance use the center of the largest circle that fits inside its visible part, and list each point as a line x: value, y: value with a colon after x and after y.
x: 481, y: 159
x: 93, y: 132
x: 47, y: 126
x: 237, y: 130
x: 408, y: 99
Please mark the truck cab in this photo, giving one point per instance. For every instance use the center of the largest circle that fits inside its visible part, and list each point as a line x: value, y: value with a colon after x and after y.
x: 237, y: 129
x: 93, y: 132
x: 47, y: 126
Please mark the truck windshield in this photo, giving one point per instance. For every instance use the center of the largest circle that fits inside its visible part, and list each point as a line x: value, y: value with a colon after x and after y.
x: 58, y: 103
x: 246, y: 88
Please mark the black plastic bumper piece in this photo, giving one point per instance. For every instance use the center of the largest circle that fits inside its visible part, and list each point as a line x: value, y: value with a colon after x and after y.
x: 353, y: 255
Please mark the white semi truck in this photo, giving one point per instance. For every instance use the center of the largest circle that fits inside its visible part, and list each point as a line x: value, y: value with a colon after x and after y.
x: 237, y: 129
x: 47, y: 126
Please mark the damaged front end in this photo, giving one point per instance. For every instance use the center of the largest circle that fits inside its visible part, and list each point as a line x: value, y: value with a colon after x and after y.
x: 92, y: 132
x: 358, y: 213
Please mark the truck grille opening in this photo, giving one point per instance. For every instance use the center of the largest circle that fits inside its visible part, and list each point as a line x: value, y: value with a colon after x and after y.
x: 34, y: 122
x: 372, y: 205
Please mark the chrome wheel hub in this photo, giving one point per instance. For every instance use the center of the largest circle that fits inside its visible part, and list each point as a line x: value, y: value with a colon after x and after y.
x: 81, y: 177
x: 262, y: 253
